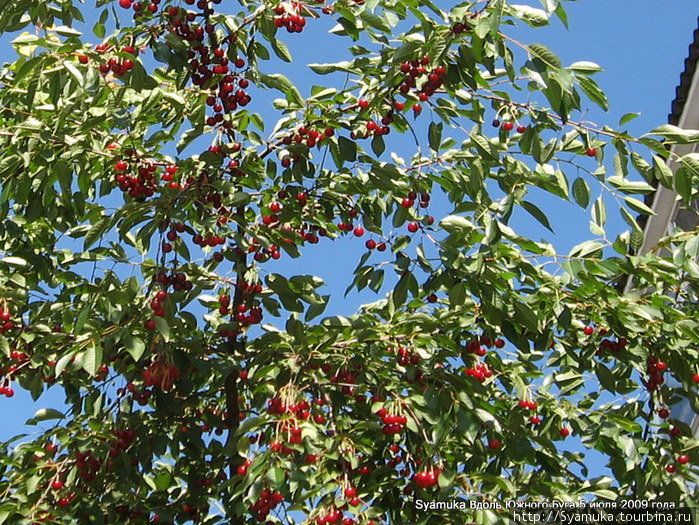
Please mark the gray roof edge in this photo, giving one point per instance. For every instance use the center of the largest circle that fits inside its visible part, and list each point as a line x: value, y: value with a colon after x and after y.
x: 682, y: 90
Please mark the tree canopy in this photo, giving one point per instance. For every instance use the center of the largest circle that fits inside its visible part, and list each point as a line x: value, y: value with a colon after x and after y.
x: 152, y: 193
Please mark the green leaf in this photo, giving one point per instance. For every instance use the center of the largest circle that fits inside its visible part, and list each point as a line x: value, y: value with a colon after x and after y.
x: 526, y: 316
x: 162, y: 327
x: 586, y: 68
x: 676, y: 135
x: 348, y: 149
x: 456, y: 224
x: 45, y: 414
x: 92, y: 359
x: 281, y: 50
x: 375, y: 21
x: 683, y: 184
x: 599, y: 212
x: 283, y: 84
x: 628, y: 117
x: 324, y: 69
x: 435, y: 135
x: 531, y: 15
x: 14, y: 261
x: 593, y: 92
x: 539, y: 215
x: 543, y: 53
x: 586, y: 248
x: 134, y: 346
x: 630, y: 186
x: 581, y: 192
x: 638, y: 206
x: 97, y: 231
x: 378, y: 146
x: 662, y: 172
x: 67, y: 31
x: 276, y: 476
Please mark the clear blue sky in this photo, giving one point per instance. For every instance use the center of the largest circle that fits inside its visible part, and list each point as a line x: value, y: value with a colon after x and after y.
x: 642, y: 44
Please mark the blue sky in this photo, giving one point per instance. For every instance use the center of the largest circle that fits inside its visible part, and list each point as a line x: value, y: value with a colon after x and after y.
x: 642, y: 44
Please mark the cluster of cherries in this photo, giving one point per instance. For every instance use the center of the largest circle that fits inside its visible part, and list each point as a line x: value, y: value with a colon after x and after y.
x: 118, y: 66
x: 290, y: 16
x: 409, y: 200
x: 426, y: 478
x: 371, y: 127
x: 156, y: 303
x: 139, y: 184
x: 178, y: 281
x: 509, y: 126
x: 307, y: 136
x: 275, y: 406
x: 140, y: 7
x: 19, y: 359
x: 614, y: 346
x: 6, y: 387
x: 266, y: 502
x: 334, y: 515
x: 160, y: 375
x: 655, y: 368
x: 530, y: 405
x: 6, y: 322
x: 88, y: 465
x: 477, y: 346
x: 479, y: 372
x: 416, y: 70
x: 392, y: 423
x: 210, y: 65
x: 406, y: 356
x: 244, y: 314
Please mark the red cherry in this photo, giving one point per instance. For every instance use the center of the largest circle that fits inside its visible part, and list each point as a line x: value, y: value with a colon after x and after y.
x: 363, y: 103
x: 695, y: 378
x: 358, y: 231
x: 508, y: 126
x: 370, y: 244
x: 521, y: 129
x: 591, y: 152
x: 425, y: 479
x: 432, y: 298
x: 564, y: 432
x: 150, y: 325
x: 493, y: 444
x: 663, y: 413
x: 350, y: 492
x: 56, y: 484
x: 588, y: 330
x: 671, y: 468
x: 413, y: 227
x: 683, y: 459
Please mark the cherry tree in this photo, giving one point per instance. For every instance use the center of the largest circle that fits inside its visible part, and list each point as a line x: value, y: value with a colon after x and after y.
x: 152, y: 199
